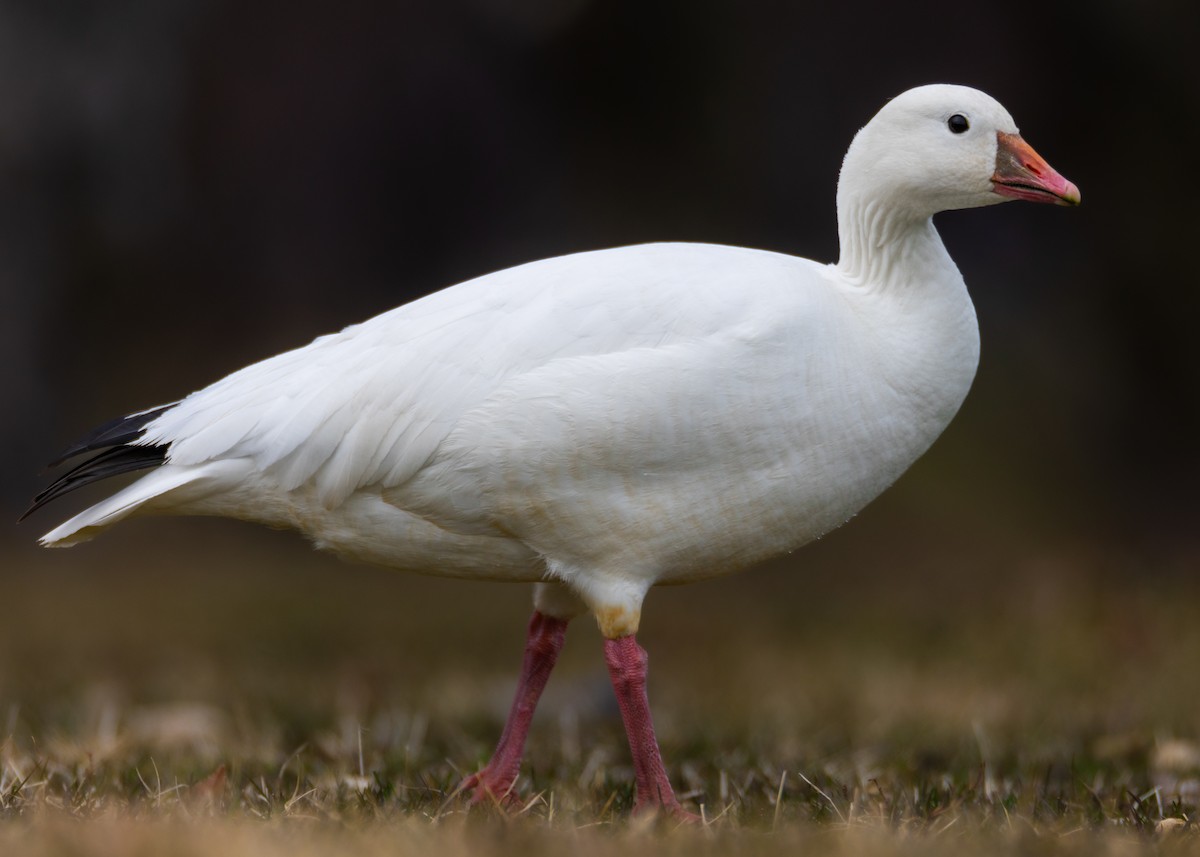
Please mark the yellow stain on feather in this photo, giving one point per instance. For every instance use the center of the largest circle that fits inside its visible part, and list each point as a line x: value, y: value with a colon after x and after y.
x: 617, y: 622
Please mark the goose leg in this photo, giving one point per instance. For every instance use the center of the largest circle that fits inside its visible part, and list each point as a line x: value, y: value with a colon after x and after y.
x: 542, y: 645
x: 627, y: 663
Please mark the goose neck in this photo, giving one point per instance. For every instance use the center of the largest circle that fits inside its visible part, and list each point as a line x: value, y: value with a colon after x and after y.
x: 884, y: 245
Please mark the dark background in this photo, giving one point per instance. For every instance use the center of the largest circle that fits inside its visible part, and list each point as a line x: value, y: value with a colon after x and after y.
x: 188, y: 186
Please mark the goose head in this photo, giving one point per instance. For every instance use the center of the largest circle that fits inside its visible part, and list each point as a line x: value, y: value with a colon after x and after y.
x: 942, y: 147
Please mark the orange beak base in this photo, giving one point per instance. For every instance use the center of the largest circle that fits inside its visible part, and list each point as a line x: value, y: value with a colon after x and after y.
x: 1021, y: 173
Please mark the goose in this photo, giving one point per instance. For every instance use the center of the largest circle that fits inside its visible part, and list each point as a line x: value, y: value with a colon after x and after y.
x: 600, y: 423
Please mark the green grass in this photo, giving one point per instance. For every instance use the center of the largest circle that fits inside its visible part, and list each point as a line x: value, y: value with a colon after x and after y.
x: 248, y: 697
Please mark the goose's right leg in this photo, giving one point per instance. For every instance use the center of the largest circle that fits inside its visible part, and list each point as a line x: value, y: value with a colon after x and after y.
x: 554, y: 608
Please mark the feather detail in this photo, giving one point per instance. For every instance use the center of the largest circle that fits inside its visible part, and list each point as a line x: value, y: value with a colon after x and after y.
x: 111, y: 462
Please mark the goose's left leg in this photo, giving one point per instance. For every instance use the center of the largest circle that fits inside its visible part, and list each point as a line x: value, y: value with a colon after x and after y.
x: 553, y: 609
x: 627, y: 667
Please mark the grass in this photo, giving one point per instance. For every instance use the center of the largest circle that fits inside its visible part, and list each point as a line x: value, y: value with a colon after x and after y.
x: 254, y: 698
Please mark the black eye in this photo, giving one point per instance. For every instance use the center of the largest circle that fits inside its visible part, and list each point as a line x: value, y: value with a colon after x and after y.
x: 957, y: 123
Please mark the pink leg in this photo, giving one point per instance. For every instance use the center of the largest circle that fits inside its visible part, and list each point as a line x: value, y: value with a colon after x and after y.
x: 627, y: 667
x: 542, y: 645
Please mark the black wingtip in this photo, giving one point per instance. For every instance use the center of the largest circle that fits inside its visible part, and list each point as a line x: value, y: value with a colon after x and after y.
x: 117, y: 438
x: 111, y: 462
x: 116, y: 432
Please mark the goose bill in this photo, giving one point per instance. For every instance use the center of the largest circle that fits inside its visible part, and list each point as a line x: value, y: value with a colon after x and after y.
x: 1023, y: 174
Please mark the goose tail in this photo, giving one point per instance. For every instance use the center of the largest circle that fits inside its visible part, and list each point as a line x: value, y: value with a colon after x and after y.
x: 118, y: 451
x: 92, y: 520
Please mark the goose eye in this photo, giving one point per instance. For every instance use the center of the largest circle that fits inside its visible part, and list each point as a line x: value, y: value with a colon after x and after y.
x: 958, y: 123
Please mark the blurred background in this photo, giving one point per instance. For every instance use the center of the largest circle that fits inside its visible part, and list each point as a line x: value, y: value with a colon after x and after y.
x: 190, y: 185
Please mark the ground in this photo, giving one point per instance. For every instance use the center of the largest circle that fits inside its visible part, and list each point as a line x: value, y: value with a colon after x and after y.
x: 208, y: 691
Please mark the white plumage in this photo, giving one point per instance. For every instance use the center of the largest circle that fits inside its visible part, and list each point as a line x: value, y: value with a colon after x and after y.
x: 606, y: 421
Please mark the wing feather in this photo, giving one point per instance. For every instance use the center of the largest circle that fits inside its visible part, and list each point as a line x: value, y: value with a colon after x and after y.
x: 370, y: 405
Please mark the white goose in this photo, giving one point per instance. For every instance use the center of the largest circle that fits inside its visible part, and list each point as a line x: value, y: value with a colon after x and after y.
x: 603, y: 422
